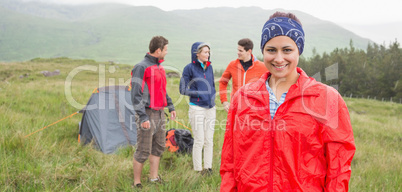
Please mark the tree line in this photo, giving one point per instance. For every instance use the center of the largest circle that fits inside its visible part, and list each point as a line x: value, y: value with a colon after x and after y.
x: 376, y: 72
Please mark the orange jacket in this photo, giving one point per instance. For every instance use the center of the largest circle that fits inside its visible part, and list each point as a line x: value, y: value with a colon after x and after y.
x: 239, y: 76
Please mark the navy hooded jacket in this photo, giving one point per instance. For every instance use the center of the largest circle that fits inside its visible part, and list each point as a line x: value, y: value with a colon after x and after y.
x: 197, y: 82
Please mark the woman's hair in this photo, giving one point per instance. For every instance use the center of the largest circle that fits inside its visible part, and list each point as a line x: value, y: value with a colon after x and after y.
x: 283, y: 14
x: 246, y: 43
x: 202, y: 46
x: 157, y: 42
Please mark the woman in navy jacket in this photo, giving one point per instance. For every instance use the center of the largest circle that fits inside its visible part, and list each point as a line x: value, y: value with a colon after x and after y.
x: 197, y: 82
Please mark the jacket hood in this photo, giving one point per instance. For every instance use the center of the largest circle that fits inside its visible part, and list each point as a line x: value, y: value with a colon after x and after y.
x: 194, y: 48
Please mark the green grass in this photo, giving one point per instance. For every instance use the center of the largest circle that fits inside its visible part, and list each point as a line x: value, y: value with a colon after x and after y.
x: 53, y: 160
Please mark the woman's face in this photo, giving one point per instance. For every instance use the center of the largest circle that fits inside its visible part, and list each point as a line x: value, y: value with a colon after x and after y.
x: 281, y: 57
x: 204, y: 54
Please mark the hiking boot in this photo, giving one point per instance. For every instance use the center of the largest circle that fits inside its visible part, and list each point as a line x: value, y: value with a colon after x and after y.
x: 157, y: 180
x: 137, y: 186
x: 206, y: 172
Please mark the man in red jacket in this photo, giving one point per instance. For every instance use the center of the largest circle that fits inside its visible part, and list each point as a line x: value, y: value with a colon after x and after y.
x: 245, y: 69
x: 149, y: 98
x: 286, y: 131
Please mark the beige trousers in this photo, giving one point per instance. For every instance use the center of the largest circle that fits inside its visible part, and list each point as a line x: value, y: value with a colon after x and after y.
x: 202, y: 122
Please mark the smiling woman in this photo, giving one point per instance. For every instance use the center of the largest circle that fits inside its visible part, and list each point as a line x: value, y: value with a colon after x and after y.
x: 286, y: 132
x: 282, y: 41
x: 281, y: 57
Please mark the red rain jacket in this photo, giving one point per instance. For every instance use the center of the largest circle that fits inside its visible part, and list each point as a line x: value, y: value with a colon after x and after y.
x: 307, y: 146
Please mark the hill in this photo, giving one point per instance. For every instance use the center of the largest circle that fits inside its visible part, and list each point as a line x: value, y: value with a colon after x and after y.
x: 53, y: 160
x: 121, y: 33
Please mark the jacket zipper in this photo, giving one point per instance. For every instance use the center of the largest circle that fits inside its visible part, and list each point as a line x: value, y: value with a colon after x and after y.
x: 160, y: 75
x: 272, y: 159
x: 273, y: 129
x: 245, y: 72
x: 205, y: 77
x: 244, y: 78
x: 203, y: 70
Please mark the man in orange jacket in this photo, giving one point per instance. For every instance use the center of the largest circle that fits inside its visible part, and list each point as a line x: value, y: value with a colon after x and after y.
x: 245, y: 69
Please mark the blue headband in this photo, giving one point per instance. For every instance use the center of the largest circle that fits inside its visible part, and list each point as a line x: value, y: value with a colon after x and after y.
x: 283, y: 26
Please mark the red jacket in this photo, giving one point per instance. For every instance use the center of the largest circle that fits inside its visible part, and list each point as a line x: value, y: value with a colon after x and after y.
x: 235, y: 71
x: 148, y: 87
x: 308, y: 146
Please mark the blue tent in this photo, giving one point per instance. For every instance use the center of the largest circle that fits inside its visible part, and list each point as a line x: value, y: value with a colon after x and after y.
x: 108, y: 119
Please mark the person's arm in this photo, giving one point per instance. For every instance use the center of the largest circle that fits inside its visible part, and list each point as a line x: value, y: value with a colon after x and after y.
x: 339, y: 148
x: 171, y: 107
x: 228, y: 182
x: 223, y: 84
x: 185, y: 81
x: 138, y: 86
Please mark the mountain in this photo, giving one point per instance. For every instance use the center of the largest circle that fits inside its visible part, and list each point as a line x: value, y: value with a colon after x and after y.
x: 121, y: 33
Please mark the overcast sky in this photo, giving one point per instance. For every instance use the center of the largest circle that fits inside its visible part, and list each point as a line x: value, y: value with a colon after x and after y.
x: 378, y: 20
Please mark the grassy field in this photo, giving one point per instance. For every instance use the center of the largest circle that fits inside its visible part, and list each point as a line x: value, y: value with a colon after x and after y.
x: 53, y: 160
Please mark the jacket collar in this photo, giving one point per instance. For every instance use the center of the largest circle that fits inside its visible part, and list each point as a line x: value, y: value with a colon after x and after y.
x: 304, y: 86
x: 198, y: 63
x: 153, y: 59
x: 253, y: 60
